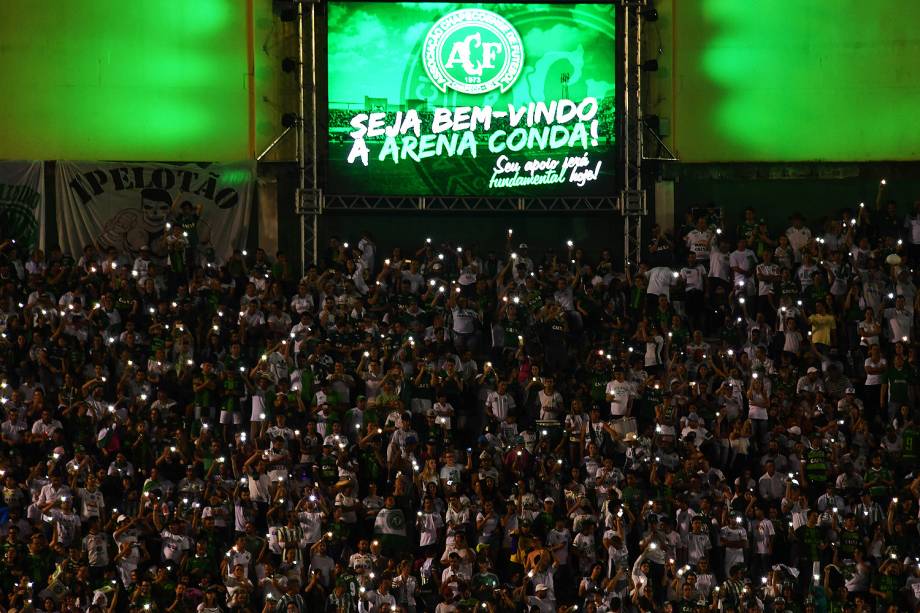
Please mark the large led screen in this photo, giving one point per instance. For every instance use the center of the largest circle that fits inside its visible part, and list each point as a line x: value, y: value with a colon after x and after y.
x: 460, y: 99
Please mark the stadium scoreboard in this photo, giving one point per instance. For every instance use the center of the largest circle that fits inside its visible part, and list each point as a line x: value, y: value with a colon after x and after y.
x: 463, y: 99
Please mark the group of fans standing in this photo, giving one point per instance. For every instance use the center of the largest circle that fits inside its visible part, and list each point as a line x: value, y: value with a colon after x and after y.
x: 731, y: 427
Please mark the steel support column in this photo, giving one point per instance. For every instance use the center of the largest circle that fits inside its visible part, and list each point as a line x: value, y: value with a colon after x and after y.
x: 632, y: 199
x: 309, y: 199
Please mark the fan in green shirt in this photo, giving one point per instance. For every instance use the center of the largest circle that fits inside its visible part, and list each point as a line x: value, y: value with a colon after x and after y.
x: 679, y: 335
x: 512, y: 325
x: 887, y: 582
x: 588, y: 302
x: 817, y: 291
x: 533, y: 300
x: 789, y: 288
x: 386, y: 400
x: 484, y: 582
x: 344, y: 598
x: 811, y: 538
x: 188, y: 220
x: 306, y: 385
x: 651, y: 398
x: 878, y: 478
x: 599, y: 379
x: 910, y: 444
x: 637, y: 296
x: 9, y: 564
x: 817, y: 462
x: 897, y: 382
x: 433, y: 432
x: 372, y: 415
x: 39, y: 562
x: 747, y: 228
x: 205, y: 386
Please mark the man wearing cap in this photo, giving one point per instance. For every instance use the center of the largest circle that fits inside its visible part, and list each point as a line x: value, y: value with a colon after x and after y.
x: 810, y: 382
x: 129, y: 549
x: 850, y: 404
x: 541, y: 599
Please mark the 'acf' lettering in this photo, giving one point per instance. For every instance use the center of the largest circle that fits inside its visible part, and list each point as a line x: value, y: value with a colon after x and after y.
x: 489, y: 52
x: 462, y: 53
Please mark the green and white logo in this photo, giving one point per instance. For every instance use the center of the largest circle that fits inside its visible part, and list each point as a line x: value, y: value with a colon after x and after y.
x: 473, y: 51
x: 395, y: 521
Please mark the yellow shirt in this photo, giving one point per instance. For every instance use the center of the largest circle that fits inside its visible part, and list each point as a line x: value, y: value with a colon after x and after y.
x: 821, y: 326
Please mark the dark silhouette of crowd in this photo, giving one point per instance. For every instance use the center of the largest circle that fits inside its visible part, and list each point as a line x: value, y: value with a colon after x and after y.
x: 731, y: 427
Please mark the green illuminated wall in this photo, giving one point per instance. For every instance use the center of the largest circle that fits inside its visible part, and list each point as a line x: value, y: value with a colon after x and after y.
x: 130, y: 79
x: 783, y: 80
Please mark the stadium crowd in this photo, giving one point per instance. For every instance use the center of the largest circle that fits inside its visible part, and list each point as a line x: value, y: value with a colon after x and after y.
x: 733, y: 427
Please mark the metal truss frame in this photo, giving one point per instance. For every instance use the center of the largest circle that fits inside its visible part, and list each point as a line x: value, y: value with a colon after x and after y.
x: 308, y: 205
x: 466, y: 204
x: 633, y: 198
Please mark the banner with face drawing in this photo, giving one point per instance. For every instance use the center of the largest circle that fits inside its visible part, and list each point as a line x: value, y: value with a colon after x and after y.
x: 128, y: 205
